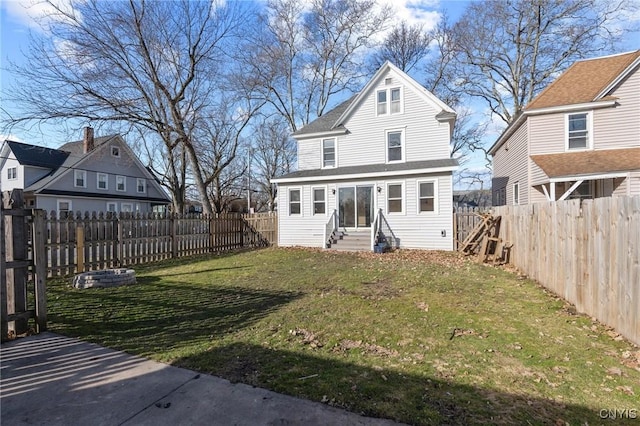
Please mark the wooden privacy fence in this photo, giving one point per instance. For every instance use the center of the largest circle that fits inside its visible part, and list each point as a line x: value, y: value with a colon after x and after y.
x: 465, y: 219
x: 79, y: 243
x: 22, y: 268
x: 266, y: 224
x: 586, y: 252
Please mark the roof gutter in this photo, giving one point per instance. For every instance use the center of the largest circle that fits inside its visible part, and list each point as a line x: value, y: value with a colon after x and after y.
x: 366, y: 175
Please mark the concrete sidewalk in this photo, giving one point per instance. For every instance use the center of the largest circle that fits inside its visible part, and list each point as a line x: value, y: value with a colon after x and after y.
x: 55, y: 380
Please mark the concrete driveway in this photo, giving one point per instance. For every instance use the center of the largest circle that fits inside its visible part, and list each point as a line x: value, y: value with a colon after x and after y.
x: 55, y: 380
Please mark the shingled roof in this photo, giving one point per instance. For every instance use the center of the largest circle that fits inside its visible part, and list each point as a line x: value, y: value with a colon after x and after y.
x: 326, y: 122
x: 77, y: 147
x: 38, y: 156
x: 583, y: 81
x: 588, y: 162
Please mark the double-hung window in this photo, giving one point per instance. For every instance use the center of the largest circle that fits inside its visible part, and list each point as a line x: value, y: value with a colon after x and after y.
x: 578, y: 136
x: 80, y: 178
x: 395, y: 147
x: 121, y: 183
x: 382, y: 102
x: 328, y: 153
x: 141, y: 185
x: 103, y: 181
x: 389, y: 101
x: 426, y: 196
x: 319, y: 201
x: 295, y: 202
x: 394, y: 198
x: 12, y: 173
x: 64, y: 208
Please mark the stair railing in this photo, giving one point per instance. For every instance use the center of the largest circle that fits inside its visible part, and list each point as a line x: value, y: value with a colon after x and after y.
x: 330, y: 228
x: 375, y: 229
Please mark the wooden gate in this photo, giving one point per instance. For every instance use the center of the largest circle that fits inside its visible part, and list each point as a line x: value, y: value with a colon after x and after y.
x: 23, y: 267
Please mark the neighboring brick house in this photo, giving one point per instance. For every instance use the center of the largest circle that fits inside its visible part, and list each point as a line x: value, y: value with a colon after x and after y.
x: 380, y: 157
x: 90, y: 175
x: 579, y: 138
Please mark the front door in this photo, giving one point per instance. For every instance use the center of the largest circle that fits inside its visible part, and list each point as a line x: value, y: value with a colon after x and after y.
x: 355, y: 206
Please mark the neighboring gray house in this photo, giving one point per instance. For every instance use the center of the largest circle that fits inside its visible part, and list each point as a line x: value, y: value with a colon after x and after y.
x: 580, y: 138
x: 94, y: 175
x: 381, y: 157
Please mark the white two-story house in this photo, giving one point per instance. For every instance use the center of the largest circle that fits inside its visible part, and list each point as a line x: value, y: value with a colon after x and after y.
x: 377, y: 165
x: 579, y: 138
x: 91, y: 175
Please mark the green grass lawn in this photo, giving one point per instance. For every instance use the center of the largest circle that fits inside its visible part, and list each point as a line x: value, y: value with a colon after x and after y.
x: 419, y: 337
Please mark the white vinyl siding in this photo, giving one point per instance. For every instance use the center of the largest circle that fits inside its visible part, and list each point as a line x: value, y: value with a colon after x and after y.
x: 309, y: 154
x: 413, y: 230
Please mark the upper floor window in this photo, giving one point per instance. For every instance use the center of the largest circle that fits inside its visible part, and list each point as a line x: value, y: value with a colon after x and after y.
x: 12, y: 173
x: 115, y: 151
x: 328, y: 153
x: 319, y: 203
x: 80, y: 178
x: 382, y: 102
x: 141, y: 185
x: 121, y: 183
x: 395, y: 146
x: 103, y: 181
x: 389, y: 101
x: 578, y: 136
x: 295, y: 202
x: 427, y: 196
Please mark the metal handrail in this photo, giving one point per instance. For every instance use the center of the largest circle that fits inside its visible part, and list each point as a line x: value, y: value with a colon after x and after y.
x: 375, y: 229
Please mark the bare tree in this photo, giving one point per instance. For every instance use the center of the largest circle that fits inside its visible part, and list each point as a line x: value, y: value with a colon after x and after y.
x: 507, y: 51
x: 154, y: 64
x: 405, y: 46
x: 274, y: 155
x: 308, y: 52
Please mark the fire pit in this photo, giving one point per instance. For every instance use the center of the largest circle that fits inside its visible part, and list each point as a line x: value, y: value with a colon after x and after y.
x: 105, y: 278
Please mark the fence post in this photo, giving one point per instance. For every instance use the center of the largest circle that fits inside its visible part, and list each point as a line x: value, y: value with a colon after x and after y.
x: 119, y: 242
x: 40, y: 269
x: 80, y: 248
x: 4, y: 307
x: 174, y: 234
x: 16, y: 250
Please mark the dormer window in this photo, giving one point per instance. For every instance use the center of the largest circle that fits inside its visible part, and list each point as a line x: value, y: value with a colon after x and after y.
x: 389, y: 101
x: 578, y: 131
x: 115, y: 151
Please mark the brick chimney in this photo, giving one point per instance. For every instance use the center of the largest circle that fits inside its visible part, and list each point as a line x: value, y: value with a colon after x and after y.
x: 88, y: 143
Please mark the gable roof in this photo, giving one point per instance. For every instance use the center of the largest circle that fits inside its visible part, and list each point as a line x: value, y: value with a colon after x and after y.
x: 334, y: 120
x: 588, y: 162
x: 326, y: 122
x: 77, y: 147
x: 38, y: 156
x: 584, y: 81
